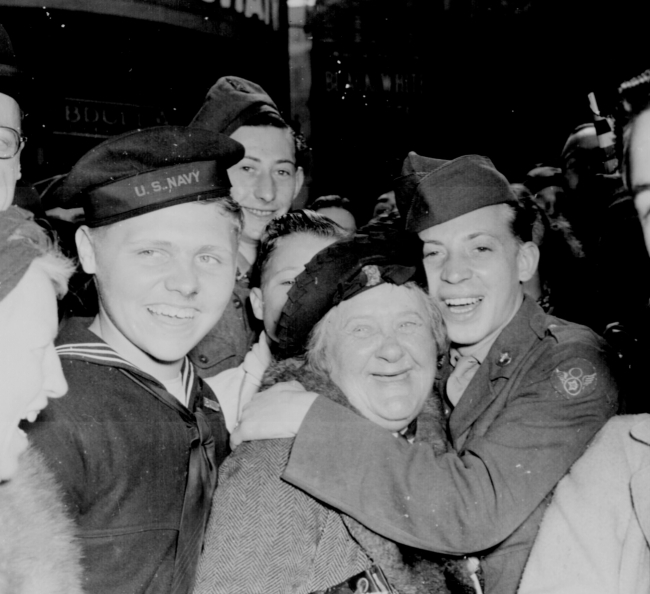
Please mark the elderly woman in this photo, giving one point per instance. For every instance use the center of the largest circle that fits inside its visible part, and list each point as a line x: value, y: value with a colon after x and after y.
x: 373, y: 348
x: 38, y: 553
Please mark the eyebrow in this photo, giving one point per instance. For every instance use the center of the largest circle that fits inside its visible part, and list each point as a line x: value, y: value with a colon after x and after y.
x: 258, y: 160
x: 154, y: 242
x: 169, y: 244
x: 637, y: 189
x: 287, y: 269
x: 470, y: 237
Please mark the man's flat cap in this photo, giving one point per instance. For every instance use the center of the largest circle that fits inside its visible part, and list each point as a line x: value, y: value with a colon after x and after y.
x: 230, y: 103
x: 145, y: 170
x: 338, y: 273
x: 434, y: 191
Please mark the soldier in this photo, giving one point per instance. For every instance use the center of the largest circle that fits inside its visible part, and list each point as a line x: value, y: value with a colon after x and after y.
x: 264, y: 184
x: 136, y: 443
x: 525, y: 392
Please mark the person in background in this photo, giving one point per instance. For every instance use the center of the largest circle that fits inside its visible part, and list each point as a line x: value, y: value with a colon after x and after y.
x: 384, y: 204
x: 265, y: 184
x: 336, y: 209
x: 588, y: 191
x: 39, y: 553
x: 595, y: 534
x: 545, y: 184
x: 288, y: 243
x: 559, y: 283
x: 137, y: 441
x: 524, y: 392
x: 12, y: 140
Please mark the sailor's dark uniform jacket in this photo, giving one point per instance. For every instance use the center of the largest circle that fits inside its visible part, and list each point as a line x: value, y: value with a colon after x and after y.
x: 137, y: 467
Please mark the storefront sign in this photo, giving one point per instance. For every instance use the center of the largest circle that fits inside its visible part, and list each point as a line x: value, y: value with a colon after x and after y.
x: 91, y: 118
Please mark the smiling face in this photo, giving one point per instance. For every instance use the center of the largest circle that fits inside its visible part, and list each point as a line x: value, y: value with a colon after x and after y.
x: 9, y: 168
x: 164, y: 279
x: 289, y: 258
x: 475, y: 269
x: 266, y: 181
x: 381, y: 353
x: 639, y: 163
x: 29, y: 366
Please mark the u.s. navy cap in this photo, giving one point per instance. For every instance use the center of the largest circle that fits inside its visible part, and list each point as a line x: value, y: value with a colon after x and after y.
x: 146, y: 170
x: 434, y: 191
x: 230, y: 103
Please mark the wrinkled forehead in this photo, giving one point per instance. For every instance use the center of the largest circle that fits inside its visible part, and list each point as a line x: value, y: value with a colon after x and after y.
x: 266, y: 142
x: 494, y: 220
x: 384, y: 301
x: 9, y: 112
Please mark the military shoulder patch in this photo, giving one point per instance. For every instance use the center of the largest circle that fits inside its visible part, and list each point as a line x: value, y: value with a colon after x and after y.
x: 575, y: 377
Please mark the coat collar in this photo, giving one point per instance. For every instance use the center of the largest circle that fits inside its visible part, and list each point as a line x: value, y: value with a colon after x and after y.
x: 640, y: 482
x: 503, y: 359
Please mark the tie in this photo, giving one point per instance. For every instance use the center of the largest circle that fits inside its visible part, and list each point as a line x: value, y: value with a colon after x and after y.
x: 463, y: 372
x: 201, y: 482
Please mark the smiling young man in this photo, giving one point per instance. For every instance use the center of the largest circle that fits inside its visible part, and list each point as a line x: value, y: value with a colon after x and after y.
x: 137, y: 442
x: 524, y: 392
x: 264, y: 183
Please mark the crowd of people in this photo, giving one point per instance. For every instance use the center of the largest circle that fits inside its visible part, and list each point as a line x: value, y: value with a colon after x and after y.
x: 266, y: 400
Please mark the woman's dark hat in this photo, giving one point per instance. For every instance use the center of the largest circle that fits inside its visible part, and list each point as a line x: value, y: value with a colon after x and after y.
x: 230, y: 103
x: 434, y: 191
x: 146, y: 170
x: 337, y: 273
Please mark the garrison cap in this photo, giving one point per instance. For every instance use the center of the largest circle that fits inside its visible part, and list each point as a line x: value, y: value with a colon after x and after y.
x: 146, y: 170
x: 434, y: 191
x: 230, y: 103
x: 338, y: 273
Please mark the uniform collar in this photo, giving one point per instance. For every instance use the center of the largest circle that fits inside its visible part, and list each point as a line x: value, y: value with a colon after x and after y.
x: 76, y: 341
x: 503, y: 358
x: 516, y: 339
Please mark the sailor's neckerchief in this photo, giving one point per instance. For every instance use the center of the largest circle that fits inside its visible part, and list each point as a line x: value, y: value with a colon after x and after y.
x: 102, y: 354
x: 202, y: 470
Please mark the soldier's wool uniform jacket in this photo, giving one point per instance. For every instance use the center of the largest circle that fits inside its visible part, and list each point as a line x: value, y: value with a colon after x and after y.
x: 122, y: 454
x: 541, y: 394
x: 228, y: 342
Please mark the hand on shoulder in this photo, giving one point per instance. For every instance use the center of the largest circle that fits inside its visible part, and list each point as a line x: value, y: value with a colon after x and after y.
x: 274, y: 413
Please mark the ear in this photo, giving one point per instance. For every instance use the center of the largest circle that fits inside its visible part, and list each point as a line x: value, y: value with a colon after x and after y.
x: 19, y: 172
x: 86, y: 249
x: 300, y: 179
x: 527, y: 261
x: 257, y: 303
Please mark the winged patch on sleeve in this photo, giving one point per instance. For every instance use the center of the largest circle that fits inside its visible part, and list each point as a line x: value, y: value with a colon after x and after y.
x: 575, y: 377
